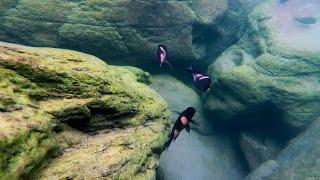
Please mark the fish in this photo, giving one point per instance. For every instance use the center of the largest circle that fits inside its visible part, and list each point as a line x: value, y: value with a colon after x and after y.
x: 283, y: 1
x: 307, y: 20
x: 162, y: 53
x: 182, y: 122
x: 201, y: 81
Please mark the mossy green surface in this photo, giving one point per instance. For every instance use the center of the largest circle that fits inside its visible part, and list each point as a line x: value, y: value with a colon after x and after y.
x: 44, y: 87
x: 298, y: 160
x: 5, y: 5
x: 264, y: 71
x: 123, y: 31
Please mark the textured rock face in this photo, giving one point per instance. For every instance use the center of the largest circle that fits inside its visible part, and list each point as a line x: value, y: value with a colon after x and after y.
x: 202, y: 154
x: 258, y: 149
x: 269, y: 68
x: 82, y: 111
x: 299, y: 160
x: 127, y: 32
x: 263, y: 171
x: 231, y: 26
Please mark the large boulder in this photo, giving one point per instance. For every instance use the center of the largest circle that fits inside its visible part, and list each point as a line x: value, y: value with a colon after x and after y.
x: 258, y: 148
x: 202, y: 154
x: 90, y: 119
x: 299, y: 160
x: 231, y: 26
x: 273, y: 69
x: 126, y: 32
x: 263, y: 171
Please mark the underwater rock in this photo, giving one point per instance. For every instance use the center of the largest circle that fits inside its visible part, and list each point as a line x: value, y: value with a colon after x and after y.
x: 231, y: 26
x: 5, y: 5
x: 124, y: 31
x: 205, y: 155
x: 275, y: 65
x: 258, y: 149
x: 300, y: 159
x: 263, y: 171
x: 61, y: 110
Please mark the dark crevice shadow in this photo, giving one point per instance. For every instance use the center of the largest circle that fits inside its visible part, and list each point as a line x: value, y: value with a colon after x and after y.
x: 79, y: 124
x: 263, y: 120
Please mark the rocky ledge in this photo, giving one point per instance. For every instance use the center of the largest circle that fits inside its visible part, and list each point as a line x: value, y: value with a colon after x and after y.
x: 65, y: 114
x: 274, y: 68
x: 124, y: 31
x: 267, y: 86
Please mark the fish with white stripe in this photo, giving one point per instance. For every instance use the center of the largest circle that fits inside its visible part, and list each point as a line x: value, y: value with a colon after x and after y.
x: 202, y: 81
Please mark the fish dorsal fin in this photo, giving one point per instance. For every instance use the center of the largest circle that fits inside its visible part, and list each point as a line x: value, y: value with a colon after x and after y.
x: 163, y: 50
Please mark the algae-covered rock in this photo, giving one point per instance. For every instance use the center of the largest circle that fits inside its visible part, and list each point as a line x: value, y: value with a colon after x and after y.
x: 275, y: 66
x: 299, y: 160
x: 263, y: 170
x: 258, y: 148
x: 124, y: 31
x: 231, y: 26
x: 5, y: 5
x: 112, y: 123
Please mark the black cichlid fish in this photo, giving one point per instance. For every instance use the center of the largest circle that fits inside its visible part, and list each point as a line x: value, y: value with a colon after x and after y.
x: 307, y: 20
x: 283, y: 1
x: 183, y: 122
x: 202, y: 81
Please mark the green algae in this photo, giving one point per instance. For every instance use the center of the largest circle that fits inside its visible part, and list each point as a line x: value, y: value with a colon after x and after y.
x: 268, y: 70
x: 123, y: 31
x: 42, y: 88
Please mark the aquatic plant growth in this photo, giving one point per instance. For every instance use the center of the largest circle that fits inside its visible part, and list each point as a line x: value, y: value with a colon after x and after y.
x: 270, y: 79
x: 45, y: 91
x: 121, y: 31
x: 269, y: 66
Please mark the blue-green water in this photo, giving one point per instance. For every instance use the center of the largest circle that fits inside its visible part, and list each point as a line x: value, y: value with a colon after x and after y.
x: 259, y: 119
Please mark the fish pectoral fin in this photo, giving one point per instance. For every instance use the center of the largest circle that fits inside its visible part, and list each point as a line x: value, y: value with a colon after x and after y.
x: 176, y: 134
x: 169, y: 63
x: 188, y: 128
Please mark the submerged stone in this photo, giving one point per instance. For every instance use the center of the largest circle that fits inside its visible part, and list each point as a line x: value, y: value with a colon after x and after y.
x: 231, y: 27
x: 273, y: 69
x: 263, y: 171
x: 126, y: 32
x: 76, y: 110
x: 299, y: 160
x: 258, y: 148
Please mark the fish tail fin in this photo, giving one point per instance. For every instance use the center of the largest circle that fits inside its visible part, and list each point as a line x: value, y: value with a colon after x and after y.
x: 190, y: 69
x: 169, y: 63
